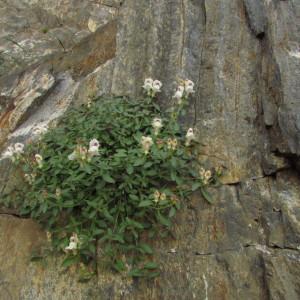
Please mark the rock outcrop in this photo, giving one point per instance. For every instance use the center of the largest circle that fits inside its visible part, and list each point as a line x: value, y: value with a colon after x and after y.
x: 244, y: 58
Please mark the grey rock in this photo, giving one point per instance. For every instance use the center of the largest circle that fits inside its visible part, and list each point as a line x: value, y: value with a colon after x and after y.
x: 31, y: 30
x: 244, y: 111
x: 256, y: 14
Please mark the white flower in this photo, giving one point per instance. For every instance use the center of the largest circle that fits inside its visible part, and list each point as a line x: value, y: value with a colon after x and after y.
x: 156, y: 196
x: 72, y: 156
x: 40, y: 129
x: 146, y: 142
x: 58, y: 192
x: 39, y: 160
x: 207, y: 174
x: 9, y: 153
x: 202, y: 172
x: 157, y: 125
x: 19, y: 148
x: 156, y: 86
x: 94, y: 148
x: 188, y: 83
x: 190, y: 136
x: 27, y: 178
x: 93, y: 151
x: 148, y: 84
x: 189, y: 87
x: 82, y: 152
x: 94, y: 143
x: 30, y: 178
x: 73, y: 244
x: 172, y: 143
x: 14, y: 152
x: 163, y: 196
x: 179, y: 92
x: 152, y: 86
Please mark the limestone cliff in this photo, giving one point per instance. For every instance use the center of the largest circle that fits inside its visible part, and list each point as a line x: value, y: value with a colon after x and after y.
x: 244, y: 57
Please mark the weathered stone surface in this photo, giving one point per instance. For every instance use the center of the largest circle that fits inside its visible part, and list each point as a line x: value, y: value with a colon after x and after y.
x: 246, y: 115
x: 32, y: 29
x: 283, y: 79
x: 257, y: 18
x: 43, y: 92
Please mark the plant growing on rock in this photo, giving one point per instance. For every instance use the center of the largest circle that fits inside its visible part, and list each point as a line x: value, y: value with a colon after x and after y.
x: 110, y: 177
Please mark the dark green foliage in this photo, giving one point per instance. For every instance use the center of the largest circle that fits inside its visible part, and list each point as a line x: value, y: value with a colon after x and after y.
x: 109, y: 200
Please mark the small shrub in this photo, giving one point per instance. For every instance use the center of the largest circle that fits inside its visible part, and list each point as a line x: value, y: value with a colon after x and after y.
x: 112, y: 175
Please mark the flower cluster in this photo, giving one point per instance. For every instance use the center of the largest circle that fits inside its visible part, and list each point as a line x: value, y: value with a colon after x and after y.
x: 158, y: 196
x: 161, y: 196
x: 30, y: 178
x: 172, y: 144
x: 184, y: 90
x: 39, y: 160
x: 189, y: 137
x: 81, y: 153
x: 146, y: 142
x: 205, y: 175
x: 14, y: 152
x: 157, y: 125
x: 152, y: 86
x: 73, y: 244
x: 40, y: 129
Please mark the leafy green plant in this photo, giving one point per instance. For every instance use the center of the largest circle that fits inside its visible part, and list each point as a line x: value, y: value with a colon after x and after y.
x: 110, y: 177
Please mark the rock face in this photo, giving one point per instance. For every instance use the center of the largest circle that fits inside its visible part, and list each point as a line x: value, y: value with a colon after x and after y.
x: 244, y: 57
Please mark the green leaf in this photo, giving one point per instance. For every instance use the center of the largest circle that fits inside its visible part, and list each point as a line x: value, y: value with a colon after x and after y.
x: 69, y: 261
x: 172, y: 212
x: 148, y: 164
x: 146, y: 203
x: 151, y: 265
x: 207, y: 196
x: 129, y: 169
x: 108, y: 178
x: 108, y: 216
x: 119, y: 238
x: 153, y: 274
x: 146, y: 248
x: 134, y: 223
x: 173, y: 162
x: 68, y: 203
x: 92, y: 214
x: 119, y: 266
x: 136, y: 273
x: 134, y: 197
x: 196, y: 186
x: 98, y: 231
x: 163, y: 220
x: 139, y: 162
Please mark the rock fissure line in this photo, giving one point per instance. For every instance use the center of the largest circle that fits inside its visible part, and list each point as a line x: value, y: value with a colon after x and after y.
x: 258, y: 247
x: 203, y: 4
x: 14, y: 215
x: 182, y: 29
